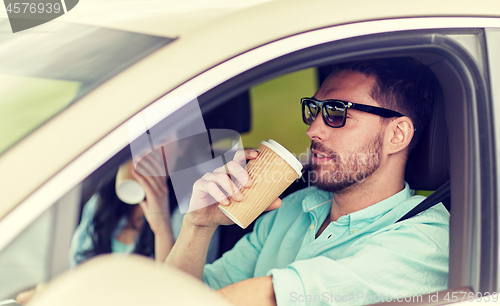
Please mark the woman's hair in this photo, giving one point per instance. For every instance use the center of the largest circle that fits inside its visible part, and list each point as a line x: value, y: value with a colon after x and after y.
x: 110, y: 209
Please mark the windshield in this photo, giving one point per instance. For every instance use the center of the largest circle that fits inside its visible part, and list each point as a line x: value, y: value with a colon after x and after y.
x: 45, y: 70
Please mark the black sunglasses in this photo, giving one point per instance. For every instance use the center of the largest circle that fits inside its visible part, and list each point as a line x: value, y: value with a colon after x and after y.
x: 335, y: 111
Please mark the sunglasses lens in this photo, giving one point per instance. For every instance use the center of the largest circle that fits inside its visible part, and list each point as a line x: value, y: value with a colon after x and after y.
x: 334, y: 114
x: 309, y: 111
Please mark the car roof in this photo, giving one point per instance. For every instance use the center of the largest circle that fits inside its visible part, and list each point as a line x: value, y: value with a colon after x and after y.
x: 174, y: 18
x: 168, y: 18
x: 224, y: 31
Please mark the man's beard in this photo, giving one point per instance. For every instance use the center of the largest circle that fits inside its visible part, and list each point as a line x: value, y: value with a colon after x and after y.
x: 346, y: 169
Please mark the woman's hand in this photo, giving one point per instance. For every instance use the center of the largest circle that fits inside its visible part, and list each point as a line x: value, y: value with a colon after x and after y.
x: 156, y: 206
x: 216, y: 188
x: 154, y: 181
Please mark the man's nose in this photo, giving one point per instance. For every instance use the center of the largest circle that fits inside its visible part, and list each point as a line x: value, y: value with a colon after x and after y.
x: 318, y: 129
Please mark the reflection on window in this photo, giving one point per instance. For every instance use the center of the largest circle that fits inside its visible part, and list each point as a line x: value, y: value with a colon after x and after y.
x: 45, y: 71
x: 28, y: 102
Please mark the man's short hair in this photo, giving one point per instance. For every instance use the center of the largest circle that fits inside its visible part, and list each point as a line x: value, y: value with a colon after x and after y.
x: 403, y: 84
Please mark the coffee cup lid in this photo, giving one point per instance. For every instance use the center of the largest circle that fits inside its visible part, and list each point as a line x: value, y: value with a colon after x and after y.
x: 285, y: 154
x: 130, y: 192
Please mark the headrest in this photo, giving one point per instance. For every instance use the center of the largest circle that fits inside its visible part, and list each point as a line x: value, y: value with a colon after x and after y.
x: 428, y: 166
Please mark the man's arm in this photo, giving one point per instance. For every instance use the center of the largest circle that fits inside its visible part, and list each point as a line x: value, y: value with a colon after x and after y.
x: 252, y: 291
x: 190, y: 251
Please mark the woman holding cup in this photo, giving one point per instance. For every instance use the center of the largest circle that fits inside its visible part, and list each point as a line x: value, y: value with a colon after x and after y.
x: 111, y: 223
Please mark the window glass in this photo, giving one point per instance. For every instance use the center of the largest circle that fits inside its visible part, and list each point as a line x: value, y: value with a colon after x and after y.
x: 177, y: 148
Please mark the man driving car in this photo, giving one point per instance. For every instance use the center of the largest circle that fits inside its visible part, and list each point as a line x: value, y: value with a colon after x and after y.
x: 336, y: 242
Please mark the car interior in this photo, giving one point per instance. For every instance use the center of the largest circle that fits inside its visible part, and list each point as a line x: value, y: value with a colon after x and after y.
x: 445, y: 159
x: 428, y: 167
x: 444, y: 154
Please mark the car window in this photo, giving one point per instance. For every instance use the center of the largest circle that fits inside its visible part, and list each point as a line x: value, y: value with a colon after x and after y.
x: 61, y: 236
x: 189, y: 124
x: 276, y: 100
x: 69, y: 61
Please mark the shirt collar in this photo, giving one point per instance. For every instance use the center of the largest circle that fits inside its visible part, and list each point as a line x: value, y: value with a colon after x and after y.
x: 319, y: 200
x: 316, y: 199
x: 379, y: 209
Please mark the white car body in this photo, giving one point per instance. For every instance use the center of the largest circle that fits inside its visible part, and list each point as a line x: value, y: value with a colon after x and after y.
x: 216, y: 42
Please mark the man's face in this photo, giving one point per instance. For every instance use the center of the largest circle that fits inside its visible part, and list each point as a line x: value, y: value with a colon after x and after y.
x: 342, y: 157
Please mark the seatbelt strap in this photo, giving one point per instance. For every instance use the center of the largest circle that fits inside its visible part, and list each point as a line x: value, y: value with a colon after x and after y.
x: 436, y: 197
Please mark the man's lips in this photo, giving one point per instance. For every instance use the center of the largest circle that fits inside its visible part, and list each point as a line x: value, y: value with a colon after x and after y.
x: 319, y: 157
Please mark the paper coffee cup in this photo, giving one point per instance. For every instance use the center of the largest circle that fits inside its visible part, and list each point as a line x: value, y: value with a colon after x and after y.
x: 127, y: 188
x: 272, y: 172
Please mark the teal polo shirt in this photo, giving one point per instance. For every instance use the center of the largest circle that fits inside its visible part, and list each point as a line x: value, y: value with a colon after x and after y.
x: 362, y: 258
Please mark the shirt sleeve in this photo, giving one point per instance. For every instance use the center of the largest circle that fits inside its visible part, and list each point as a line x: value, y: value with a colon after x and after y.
x: 82, y: 240
x: 409, y: 258
x: 239, y: 263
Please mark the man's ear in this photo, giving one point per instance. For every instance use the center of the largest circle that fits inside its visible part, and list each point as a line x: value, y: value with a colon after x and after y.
x: 399, y: 133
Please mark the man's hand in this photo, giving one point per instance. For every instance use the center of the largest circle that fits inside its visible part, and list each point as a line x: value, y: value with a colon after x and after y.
x: 216, y: 188
x: 190, y: 250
